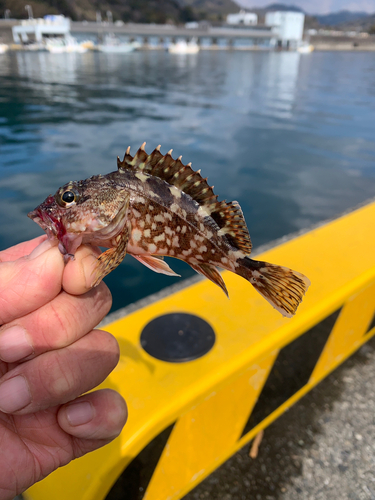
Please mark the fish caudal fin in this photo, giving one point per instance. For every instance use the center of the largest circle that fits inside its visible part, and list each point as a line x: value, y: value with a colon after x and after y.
x: 282, y: 287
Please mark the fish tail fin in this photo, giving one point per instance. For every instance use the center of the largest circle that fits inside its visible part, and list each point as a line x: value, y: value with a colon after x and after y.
x: 282, y: 287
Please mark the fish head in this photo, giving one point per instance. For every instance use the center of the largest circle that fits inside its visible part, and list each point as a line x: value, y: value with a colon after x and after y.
x: 89, y: 211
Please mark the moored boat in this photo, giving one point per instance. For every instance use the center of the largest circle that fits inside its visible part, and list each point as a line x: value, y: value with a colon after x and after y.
x: 66, y: 44
x: 113, y: 45
x: 184, y: 47
x: 305, y: 48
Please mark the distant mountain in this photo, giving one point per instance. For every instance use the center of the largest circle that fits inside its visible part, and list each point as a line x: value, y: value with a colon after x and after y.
x: 365, y: 23
x: 341, y: 17
x: 249, y: 5
x: 283, y: 7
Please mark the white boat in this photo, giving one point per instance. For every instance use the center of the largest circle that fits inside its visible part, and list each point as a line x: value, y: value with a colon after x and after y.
x: 113, y: 45
x: 305, y: 48
x: 64, y: 45
x: 184, y: 47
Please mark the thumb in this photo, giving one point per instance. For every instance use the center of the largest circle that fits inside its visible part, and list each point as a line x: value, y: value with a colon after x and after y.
x: 94, y: 419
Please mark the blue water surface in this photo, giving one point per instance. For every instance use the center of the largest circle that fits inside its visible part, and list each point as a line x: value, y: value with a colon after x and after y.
x: 290, y: 136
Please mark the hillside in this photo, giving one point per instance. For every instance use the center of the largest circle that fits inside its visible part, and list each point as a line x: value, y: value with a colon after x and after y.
x: 215, y: 10
x: 142, y: 11
x: 340, y: 18
x: 139, y: 11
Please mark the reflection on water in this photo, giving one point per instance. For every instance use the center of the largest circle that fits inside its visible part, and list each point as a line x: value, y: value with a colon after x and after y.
x: 290, y: 137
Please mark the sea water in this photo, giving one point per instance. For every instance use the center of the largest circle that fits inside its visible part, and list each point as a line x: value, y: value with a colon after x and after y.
x: 291, y: 137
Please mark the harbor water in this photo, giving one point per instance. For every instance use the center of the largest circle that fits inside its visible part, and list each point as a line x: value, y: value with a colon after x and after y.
x: 291, y: 137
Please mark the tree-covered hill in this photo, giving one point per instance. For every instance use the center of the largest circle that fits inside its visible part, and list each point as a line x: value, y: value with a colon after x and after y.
x: 138, y: 11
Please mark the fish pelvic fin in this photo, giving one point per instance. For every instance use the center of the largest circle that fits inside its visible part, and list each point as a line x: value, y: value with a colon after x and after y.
x: 155, y: 263
x: 212, y: 274
x: 282, y: 287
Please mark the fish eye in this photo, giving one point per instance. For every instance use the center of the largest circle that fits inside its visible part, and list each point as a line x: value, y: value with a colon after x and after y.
x: 67, y: 198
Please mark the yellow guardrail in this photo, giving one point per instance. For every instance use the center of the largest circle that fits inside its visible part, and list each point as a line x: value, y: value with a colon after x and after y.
x: 187, y: 418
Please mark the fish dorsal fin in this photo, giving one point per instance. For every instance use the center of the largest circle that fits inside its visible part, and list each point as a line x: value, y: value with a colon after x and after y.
x: 230, y: 219
x: 228, y: 216
x: 172, y: 171
x: 138, y: 162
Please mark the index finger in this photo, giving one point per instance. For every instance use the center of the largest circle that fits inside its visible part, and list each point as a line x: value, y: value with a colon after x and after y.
x: 29, y: 282
x: 22, y: 249
x: 33, y: 280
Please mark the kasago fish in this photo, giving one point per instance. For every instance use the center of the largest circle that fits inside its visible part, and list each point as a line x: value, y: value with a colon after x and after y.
x: 154, y: 206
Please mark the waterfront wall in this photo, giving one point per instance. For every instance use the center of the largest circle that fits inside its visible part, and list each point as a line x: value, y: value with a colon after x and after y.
x: 355, y: 43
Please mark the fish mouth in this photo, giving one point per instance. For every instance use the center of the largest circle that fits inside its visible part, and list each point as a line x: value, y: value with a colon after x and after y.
x: 53, y: 226
x: 55, y: 229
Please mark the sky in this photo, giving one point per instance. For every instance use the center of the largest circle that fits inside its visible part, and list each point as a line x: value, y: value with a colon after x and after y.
x: 318, y: 6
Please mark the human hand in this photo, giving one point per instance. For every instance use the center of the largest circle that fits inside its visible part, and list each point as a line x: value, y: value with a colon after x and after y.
x: 49, y: 356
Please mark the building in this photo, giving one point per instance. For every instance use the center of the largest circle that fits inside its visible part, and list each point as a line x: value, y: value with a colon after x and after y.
x: 243, y: 18
x: 50, y: 26
x: 287, y: 26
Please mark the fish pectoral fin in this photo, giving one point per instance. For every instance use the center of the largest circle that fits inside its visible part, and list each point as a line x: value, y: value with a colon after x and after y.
x: 155, y: 263
x: 212, y: 274
x: 110, y: 259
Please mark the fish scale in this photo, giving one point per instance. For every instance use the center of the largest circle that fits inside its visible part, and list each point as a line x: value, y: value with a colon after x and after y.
x: 154, y: 207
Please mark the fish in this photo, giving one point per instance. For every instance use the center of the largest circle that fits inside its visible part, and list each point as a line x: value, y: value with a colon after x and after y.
x: 154, y: 206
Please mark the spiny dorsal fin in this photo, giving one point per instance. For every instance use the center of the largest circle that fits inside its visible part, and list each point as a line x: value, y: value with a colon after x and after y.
x: 230, y: 219
x: 228, y: 216
x: 172, y: 171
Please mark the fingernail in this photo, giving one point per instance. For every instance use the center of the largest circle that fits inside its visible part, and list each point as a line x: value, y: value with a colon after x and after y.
x: 43, y: 247
x: 14, y: 394
x: 14, y: 344
x: 79, y: 413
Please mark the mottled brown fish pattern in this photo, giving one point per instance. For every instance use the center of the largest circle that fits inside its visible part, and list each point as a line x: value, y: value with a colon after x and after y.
x: 154, y: 207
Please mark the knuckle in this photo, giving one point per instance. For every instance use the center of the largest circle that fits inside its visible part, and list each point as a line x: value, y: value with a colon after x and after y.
x: 59, y: 378
x: 58, y: 321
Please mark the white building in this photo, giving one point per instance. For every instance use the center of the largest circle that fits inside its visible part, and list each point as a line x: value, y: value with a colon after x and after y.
x: 242, y: 17
x: 39, y: 28
x: 287, y: 26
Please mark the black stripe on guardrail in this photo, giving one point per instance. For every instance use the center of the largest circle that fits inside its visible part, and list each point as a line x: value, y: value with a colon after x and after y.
x: 372, y: 325
x: 291, y: 370
x: 133, y: 482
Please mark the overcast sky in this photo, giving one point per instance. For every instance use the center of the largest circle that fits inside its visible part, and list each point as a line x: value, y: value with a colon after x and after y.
x: 318, y: 6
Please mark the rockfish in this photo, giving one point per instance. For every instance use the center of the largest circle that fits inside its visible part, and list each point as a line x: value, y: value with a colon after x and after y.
x: 154, y: 207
